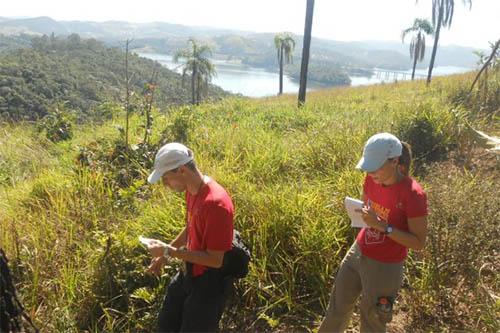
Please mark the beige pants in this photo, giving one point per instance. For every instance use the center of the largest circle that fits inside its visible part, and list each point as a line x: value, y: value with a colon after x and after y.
x: 360, y: 275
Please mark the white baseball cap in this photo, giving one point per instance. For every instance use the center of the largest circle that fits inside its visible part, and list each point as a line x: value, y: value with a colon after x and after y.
x: 170, y: 156
x: 378, y: 149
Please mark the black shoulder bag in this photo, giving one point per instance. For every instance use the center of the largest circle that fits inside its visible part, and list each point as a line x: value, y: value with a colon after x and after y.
x: 237, y: 260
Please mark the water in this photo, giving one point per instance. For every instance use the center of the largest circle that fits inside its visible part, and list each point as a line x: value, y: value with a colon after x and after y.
x: 419, y: 74
x: 255, y: 82
x: 238, y: 78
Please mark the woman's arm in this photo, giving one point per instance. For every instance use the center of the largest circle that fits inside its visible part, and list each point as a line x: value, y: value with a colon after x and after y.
x: 414, y: 238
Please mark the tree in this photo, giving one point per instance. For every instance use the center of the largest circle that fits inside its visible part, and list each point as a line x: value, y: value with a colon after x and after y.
x: 285, y: 45
x: 128, y: 78
x: 421, y: 27
x: 305, y: 51
x: 198, y: 66
x: 149, y: 94
x: 442, y: 15
x: 488, y: 61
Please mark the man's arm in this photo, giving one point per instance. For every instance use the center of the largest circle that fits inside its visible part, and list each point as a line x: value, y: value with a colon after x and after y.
x: 158, y: 250
x: 208, y: 258
x: 180, y: 240
x: 217, y: 236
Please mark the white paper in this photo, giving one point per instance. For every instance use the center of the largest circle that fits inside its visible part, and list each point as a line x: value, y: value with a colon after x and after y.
x: 351, y: 205
x: 151, y: 241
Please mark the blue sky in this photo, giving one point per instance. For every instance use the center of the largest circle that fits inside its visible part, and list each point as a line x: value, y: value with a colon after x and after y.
x: 334, y: 19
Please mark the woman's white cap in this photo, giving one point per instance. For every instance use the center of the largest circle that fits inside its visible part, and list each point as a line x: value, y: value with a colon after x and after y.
x: 378, y: 149
x: 169, y: 157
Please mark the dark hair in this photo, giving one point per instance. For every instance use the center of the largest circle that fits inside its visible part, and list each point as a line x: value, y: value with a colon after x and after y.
x: 404, y: 160
x: 191, y: 165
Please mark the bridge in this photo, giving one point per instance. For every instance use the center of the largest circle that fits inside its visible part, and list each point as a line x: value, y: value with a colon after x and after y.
x: 395, y: 75
x: 387, y: 74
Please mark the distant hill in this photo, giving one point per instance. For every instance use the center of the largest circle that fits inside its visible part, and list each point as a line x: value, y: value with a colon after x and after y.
x: 451, y: 55
x: 109, y: 30
x: 12, y: 42
x: 80, y: 72
x: 166, y: 37
x: 332, y: 61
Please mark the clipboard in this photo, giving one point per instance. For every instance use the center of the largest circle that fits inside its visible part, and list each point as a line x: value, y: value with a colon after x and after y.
x: 149, y: 242
x: 351, y: 205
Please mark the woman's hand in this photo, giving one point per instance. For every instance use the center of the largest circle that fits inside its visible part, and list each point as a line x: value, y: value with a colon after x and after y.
x: 371, y: 219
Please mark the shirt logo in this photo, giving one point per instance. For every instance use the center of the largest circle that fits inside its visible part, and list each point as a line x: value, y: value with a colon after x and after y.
x: 373, y: 236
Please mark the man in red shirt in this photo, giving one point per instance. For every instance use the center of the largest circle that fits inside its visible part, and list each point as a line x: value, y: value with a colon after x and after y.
x: 195, y: 297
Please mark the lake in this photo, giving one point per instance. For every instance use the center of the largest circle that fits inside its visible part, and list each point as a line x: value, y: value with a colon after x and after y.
x: 255, y: 82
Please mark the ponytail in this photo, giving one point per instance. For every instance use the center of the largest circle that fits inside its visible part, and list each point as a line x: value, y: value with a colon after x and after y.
x: 404, y: 160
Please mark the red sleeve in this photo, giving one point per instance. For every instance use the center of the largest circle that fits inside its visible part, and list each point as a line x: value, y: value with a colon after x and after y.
x: 218, y: 231
x: 416, y: 203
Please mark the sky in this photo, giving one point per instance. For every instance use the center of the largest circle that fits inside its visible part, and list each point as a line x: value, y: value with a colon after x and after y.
x: 346, y: 20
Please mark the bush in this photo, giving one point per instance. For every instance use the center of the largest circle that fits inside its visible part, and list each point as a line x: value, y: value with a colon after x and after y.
x: 430, y: 134
x: 57, y: 125
x: 454, y: 280
x: 180, y: 123
x: 121, y: 166
x: 118, y: 285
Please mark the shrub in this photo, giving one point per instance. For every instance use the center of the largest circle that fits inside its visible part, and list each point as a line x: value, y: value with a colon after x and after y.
x: 451, y: 281
x: 430, y: 134
x: 118, y: 285
x: 57, y: 124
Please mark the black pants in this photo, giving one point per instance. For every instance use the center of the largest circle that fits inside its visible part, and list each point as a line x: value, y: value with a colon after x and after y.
x: 194, y: 304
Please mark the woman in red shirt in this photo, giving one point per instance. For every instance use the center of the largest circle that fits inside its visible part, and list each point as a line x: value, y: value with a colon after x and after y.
x: 395, y: 213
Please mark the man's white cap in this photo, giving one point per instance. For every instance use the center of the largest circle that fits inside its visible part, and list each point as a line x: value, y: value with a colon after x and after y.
x: 378, y: 149
x: 170, y: 156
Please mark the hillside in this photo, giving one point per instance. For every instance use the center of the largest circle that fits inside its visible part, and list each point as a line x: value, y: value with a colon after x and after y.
x: 83, y: 73
x: 337, y: 59
x: 71, y: 212
x: 228, y: 42
x: 14, y: 42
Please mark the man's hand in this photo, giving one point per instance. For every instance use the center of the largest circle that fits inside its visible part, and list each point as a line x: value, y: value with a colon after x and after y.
x: 156, y: 265
x: 156, y: 248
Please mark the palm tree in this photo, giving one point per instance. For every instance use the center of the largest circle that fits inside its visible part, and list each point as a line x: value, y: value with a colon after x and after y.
x: 421, y: 27
x: 284, y: 44
x: 198, y: 66
x: 305, y: 51
x: 442, y: 15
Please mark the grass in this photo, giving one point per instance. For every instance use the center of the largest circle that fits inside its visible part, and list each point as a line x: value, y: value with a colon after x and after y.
x: 71, y: 233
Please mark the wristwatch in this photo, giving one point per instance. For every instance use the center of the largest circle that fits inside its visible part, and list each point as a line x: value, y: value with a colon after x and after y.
x: 388, y: 229
x: 166, y: 252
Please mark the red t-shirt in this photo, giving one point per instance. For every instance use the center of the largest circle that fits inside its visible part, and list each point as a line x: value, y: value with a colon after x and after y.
x: 210, y: 221
x: 394, y: 204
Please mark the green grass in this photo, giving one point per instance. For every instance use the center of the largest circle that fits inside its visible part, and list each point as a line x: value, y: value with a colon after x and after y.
x: 71, y: 233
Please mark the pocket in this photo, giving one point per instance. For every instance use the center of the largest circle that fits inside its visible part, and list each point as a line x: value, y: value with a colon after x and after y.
x: 384, y: 309
x: 385, y: 317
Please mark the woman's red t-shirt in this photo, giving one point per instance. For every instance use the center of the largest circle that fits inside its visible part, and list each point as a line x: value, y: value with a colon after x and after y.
x: 394, y: 204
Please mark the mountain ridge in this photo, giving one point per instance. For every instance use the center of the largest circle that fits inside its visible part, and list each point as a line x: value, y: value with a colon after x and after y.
x: 173, y: 36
